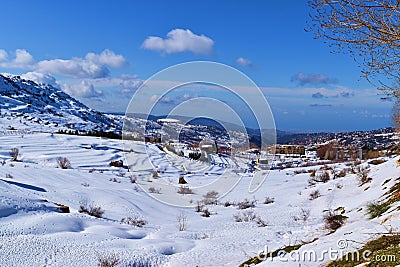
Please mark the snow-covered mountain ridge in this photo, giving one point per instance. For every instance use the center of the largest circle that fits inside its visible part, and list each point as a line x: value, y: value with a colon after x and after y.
x: 27, y: 105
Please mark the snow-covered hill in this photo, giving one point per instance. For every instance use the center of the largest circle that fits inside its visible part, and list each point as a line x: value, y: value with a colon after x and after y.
x: 34, y: 232
x: 26, y: 105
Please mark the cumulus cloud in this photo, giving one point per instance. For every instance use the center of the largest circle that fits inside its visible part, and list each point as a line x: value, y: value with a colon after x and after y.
x: 3, y: 55
x: 83, y: 89
x: 312, y: 79
x: 127, y: 83
x: 244, y: 62
x: 22, y: 60
x: 180, y: 40
x: 40, y: 78
x: 91, y: 66
x: 108, y: 58
x: 76, y: 67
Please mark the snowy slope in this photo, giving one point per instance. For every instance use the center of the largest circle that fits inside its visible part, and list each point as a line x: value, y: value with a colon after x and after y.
x: 33, y: 232
x: 25, y: 104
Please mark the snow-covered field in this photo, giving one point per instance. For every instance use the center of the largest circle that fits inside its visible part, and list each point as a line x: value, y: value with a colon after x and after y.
x: 33, y: 231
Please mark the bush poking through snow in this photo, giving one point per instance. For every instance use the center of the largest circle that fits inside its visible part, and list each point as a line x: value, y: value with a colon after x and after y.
x: 117, y: 163
x: 303, y: 215
x: 269, y: 200
x: 63, y: 163
x: 314, y: 195
x: 9, y: 176
x: 154, y: 190
x: 181, y: 221
x: 376, y: 209
x: 91, y: 210
x: 185, y: 190
x: 342, y: 173
x: 323, y: 177
x: 135, y: 221
x: 229, y: 203
x: 245, y: 204
x: 362, y: 176
x: 155, y: 174
x: 210, y: 198
x: 245, y: 216
x: 182, y: 180
x: 249, y: 216
x: 334, y: 221
x: 14, y: 152
x: 206, y: 213
x: 115, y: 180
x: 109, y: 261
x: 199, y: 206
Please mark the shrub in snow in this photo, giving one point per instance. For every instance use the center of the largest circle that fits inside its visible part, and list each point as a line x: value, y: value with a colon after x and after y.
x: 185, y: 190
x: 342, y: 173
x: 199, y: 206
x: 14, y: 152
x: 362, y: 176
x: 133, y: 179
x: 323, y: 177
x: 91, y: 210
x: 245, y: 216
x: 206, y: 213
x: 181, y: 221
x: 314, y: 195
x: 211, y: 198
x: 117, y: 163
x: 135, y: 221
x: 228, y: 204
x: 249, y: 216
x: 269, y: 200
x: 376, y: 209
x: 245, y: 204
x: 8, y: 175
x: 182, y: 180
x: 155, y: 174
x: 303, y: 215
x: 108, y: 261
x: 63, y: 163
x: 115, y: 180
x: 154, y: 190
x: 334, y: 221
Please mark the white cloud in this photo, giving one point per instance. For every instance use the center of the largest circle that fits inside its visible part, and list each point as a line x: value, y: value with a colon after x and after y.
x: 76, y: 67
x: 83, y: 89
x: 40, y: 78
x: 3, y: 55
x: 22, y: 60
x: 127, y: 83
x: 108, y: 58
x: 180, y: 40
x: 91, y: 66
x: 244, y: 62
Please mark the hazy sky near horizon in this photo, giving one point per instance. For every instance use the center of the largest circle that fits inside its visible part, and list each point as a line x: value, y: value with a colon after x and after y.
x: 101, y: 51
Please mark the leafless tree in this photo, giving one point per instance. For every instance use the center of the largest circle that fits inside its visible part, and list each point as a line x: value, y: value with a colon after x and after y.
x: 367, y: 29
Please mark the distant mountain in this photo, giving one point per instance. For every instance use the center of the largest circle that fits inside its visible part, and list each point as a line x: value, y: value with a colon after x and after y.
x: 26, y: 105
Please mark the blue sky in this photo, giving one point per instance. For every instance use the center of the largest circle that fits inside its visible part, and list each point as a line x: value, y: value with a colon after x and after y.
x: 101, y: 51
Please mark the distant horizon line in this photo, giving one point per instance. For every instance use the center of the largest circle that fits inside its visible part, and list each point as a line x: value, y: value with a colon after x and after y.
x: 287, y: 130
